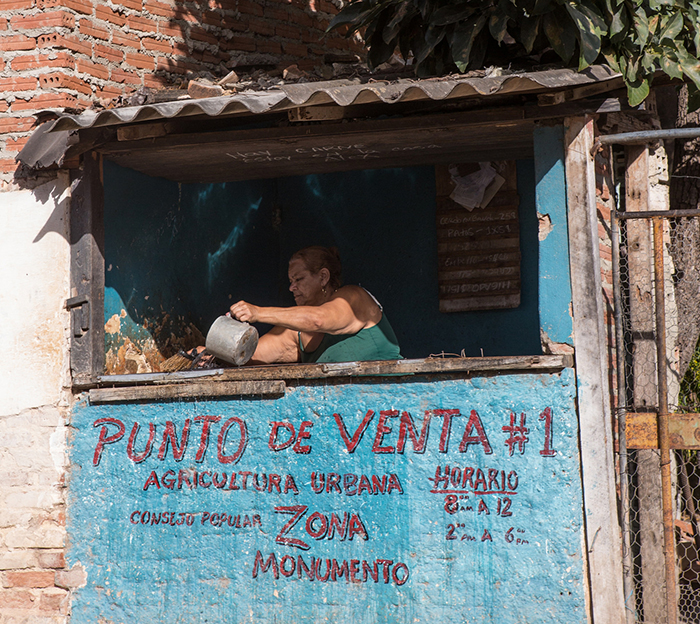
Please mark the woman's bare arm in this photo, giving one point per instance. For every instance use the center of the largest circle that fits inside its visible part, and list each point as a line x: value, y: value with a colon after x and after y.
x: 345, y: 313
x: 279, y: 345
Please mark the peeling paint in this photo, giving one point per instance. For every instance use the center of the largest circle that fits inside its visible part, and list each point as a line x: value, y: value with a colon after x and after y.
x: 141, y: 346
x: 545, y: 226
x: 113, y: 325
x: 554, y: 348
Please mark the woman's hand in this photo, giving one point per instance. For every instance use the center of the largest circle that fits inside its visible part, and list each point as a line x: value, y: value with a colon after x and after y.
x: 244, y: 312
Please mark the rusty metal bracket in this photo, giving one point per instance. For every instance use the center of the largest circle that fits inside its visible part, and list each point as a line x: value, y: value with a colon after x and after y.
x: 642, y: 432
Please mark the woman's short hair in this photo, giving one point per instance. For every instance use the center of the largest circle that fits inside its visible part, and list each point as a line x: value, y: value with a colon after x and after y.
x: 316, y: 258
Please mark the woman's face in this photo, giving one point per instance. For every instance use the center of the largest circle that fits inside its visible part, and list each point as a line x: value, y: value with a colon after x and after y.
x: 306, y: 287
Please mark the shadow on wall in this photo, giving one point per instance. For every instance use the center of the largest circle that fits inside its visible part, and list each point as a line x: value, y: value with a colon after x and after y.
x: 177, y: 256
x: 232, y: 34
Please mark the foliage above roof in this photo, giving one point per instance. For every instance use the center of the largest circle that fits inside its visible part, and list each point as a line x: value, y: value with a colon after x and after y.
x: 635, y: 37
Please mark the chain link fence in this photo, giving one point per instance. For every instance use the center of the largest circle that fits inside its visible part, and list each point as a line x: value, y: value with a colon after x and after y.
x: 640, y: 480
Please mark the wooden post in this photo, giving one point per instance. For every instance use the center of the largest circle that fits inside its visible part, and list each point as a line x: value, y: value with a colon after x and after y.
x: 603, y: 536
x: 644, y: 380
x: 87, y: 271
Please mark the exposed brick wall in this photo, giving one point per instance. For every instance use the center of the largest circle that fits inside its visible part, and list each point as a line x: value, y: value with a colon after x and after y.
x: 605, y: 204
x: 69, y: 53
x: 38, y: 589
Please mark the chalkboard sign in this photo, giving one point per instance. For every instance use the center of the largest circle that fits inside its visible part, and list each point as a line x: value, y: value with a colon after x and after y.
x: 478, y: 236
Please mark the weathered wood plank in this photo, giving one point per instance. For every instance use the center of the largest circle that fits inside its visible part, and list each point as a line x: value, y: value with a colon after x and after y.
x: 186, y: 391
x: 87, y: 270
x: 603, y: 536
x: 143, y: 378
x: 274, y: 152
x: 436, y: 125
x: 643, y: 367
x: 533, y: 364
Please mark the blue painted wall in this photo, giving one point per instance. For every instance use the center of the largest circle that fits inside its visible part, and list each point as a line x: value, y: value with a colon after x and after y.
x: 189, y: 251
x: 446, y: 557
x: 554, y: 276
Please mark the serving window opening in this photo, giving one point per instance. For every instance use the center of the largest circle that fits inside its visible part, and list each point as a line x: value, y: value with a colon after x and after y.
x: 452, y: 280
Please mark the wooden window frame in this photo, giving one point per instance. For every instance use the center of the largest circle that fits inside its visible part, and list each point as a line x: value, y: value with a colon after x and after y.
x: 88, y: 333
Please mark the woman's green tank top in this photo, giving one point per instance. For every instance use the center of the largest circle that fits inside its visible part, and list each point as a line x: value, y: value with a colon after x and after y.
x: 372, y: 343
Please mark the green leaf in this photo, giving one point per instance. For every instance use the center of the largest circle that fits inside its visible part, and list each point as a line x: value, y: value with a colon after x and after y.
x: 423, y: 6
x: 392, y: 29
x: 622, y: 63
x: 671, y: 67
x: 505, y: 6
x: 480, y: 48
x: 451, y: 13
x: 561, y: 34
x: 641, y: 26
x: 463, y: 39
x: 673, y: 28
x: 611, y: 59
x: 529, y: 28
x: 355, y: 13
x: 593, y: 14
x: 418, y: 42
x: 379, y: 50
x: 637, y: 92
x: 650, y: 61
x: 608, y: 6
x: 619, y: 23
x: 691, y: 68
x: 433, y: 36
x: 589, y: 40
x: 541, y: 7
x: 653, y: 23
x: 498, y: 26
x: 693, y: 98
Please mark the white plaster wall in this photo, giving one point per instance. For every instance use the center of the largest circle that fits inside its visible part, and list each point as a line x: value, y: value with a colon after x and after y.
x: 34, y: 401
x: 34, y: 284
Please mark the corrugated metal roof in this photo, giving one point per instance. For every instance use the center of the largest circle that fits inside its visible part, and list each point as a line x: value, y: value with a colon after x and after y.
x: 340, y: 93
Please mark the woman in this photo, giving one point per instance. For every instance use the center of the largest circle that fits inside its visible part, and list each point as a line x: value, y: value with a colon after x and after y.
x: 330, y: 323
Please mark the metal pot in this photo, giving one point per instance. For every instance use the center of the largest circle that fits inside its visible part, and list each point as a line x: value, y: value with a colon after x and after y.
x: 232, y: 341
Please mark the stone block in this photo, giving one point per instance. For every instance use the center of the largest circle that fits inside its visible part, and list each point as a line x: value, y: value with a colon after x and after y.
x: 14, y: 518
x: 29, y: 578
x: 44, y: 498
x: 50, y: 559
x: 54, y: 600
x: 71, y: 579
x: 18, y: 559
x: 34, y: 618
x: 16, y: 599
x: 46, y: 536
x: 13, y: 478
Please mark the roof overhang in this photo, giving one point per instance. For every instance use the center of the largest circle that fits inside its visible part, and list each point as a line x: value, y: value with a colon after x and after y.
x: 204, y: 140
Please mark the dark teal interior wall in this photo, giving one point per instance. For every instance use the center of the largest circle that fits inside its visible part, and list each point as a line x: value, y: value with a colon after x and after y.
x: 189, y: 251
